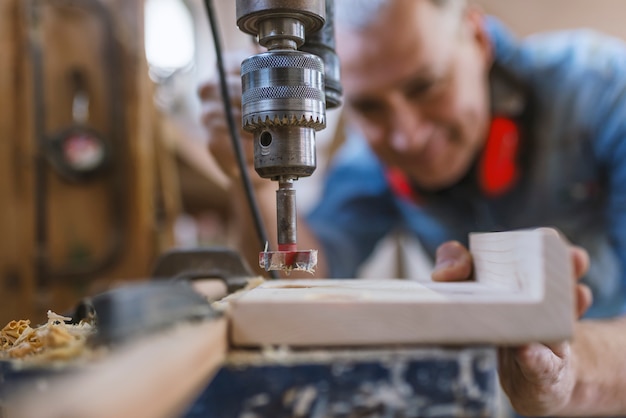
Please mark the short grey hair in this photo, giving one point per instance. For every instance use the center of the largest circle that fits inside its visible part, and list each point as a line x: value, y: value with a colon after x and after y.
x: 359, y: 14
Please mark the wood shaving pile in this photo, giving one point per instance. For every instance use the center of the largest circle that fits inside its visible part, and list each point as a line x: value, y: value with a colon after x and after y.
x: 54, y: 340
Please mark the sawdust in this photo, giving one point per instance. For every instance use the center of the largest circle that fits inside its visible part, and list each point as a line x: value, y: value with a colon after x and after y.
x: 52, y: 341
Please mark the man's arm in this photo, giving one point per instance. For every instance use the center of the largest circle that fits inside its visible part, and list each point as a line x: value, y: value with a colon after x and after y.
x: 598, y: 352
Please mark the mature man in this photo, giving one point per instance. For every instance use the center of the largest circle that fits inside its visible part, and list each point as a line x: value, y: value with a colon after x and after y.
x: 459, y: 127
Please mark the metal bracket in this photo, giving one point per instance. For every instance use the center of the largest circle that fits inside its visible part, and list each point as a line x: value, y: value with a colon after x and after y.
x: 167, y: 299
x: 204, y: 263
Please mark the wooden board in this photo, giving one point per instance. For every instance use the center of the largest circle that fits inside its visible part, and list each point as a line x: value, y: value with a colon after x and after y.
x: 523, y: 292
x: 156, y: 376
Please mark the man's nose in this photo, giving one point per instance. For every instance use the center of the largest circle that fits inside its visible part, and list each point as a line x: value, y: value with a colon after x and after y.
x: 409, y: 127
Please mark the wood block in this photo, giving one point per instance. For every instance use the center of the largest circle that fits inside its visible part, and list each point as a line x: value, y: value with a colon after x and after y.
x: 523, y: 292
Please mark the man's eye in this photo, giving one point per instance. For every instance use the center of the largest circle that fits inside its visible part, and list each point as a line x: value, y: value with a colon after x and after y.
x: 367, y: 107
x: 421, y: 89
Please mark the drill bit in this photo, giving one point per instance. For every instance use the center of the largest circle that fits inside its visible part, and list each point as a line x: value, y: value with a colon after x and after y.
x: 288, y: 258
x: 288, y: 261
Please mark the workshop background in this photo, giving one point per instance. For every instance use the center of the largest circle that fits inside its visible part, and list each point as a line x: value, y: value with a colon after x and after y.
x: 102, y: 155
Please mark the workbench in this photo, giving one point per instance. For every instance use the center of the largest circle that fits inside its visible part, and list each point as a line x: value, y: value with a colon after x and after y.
x: 402, y: 382
x: 317, y: 348
x: 277, y: 383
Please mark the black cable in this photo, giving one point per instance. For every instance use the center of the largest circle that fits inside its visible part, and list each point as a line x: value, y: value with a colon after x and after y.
x: 234, y: 132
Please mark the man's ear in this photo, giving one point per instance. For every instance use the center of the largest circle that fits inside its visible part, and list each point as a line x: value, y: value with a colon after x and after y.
x: 475, y: 19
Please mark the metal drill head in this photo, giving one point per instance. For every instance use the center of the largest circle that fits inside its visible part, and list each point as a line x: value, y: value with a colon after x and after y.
x: 283, y: 106
x: 288, y: 261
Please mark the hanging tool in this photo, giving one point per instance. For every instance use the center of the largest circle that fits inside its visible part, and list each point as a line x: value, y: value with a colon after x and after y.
x: 98, y: 152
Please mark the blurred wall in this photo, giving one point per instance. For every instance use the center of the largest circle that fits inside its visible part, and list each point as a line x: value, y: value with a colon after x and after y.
x: 529, y: 16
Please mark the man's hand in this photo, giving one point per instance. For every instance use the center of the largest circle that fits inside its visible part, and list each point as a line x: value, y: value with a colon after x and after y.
x: 539, y: 379
x: 214, y: 118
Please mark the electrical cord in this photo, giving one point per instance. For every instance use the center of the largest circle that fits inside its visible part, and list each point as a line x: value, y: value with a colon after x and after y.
x: 234, y: 133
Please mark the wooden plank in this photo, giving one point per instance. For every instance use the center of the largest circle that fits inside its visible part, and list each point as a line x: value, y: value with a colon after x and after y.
x: 17, y: 249
x: 9, y: 225
x: 523, y: 293
x: 156, y: 376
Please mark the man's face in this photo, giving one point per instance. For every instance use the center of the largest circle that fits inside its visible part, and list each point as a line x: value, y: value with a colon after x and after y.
x: 415, y: 82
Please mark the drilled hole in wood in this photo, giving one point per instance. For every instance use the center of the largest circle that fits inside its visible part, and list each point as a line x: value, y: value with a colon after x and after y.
x: 294, y: 286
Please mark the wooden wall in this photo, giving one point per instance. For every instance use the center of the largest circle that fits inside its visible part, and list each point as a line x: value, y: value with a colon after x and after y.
x: 525, y: 17
x: 81, y: 219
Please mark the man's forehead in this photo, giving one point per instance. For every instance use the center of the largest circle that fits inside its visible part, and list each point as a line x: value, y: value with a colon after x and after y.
x: 382, y: 57
x: 360, y: 14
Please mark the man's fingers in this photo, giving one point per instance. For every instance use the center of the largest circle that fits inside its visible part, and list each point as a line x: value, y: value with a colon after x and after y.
x: 207, y: 90
x: 453, y: 263
x: 580, y: 258
x: 211, y: 90
x: 537, y: 378
x: 584, y: 298
x: 539, y: 362
x: 213, y: 116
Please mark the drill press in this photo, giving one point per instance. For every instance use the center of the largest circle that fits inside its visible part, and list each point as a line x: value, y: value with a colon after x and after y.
x: 285, y: 95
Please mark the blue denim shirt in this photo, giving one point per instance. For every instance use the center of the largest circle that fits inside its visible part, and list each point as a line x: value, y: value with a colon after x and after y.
x: 575, y: 179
